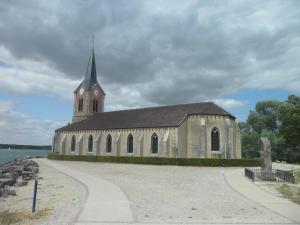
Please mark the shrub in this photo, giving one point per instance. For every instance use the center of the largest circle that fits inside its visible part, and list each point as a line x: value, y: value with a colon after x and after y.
x: 246, y: 162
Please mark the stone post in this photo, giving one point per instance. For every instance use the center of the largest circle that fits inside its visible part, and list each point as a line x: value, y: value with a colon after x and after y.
x: 265, y: 154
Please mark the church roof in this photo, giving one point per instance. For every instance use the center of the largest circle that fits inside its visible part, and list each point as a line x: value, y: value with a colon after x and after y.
x: 90, y: 79
x: 162, y: 116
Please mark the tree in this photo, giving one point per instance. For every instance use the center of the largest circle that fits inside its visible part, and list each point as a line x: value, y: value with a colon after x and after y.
x: 290, y: 131
x: 278, y: 121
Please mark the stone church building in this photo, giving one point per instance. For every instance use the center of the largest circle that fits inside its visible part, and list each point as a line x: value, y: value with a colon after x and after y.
x: 198, y: 130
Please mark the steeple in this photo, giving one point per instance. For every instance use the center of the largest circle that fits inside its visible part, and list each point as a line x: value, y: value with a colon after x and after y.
x: 91, y: 74
x: 88, y: 96
x: 90, y: 78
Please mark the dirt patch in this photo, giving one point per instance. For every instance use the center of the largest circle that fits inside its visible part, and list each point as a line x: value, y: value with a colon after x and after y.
x: 7, y: 217
x: 291, y: 191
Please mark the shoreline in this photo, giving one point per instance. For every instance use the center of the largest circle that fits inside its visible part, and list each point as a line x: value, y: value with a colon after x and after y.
x: 59, y: 199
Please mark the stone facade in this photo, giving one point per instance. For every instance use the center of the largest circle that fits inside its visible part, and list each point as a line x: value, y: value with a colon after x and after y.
x: 192, y: 139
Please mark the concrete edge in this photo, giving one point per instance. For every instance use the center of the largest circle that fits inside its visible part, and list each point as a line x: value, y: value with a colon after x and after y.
x: 249, y: 190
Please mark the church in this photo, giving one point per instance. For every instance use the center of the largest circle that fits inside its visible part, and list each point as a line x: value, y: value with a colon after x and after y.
x: 197, y: 130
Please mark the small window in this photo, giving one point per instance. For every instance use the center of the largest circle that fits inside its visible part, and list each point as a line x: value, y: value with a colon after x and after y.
x: 90, y: 143
x: 215, y: 139
x: 154, y: 143
x: 95, y: 105
x: 73, y: 143
x: 130, y: 143
x: 108, y: 143
x: 80, y: 105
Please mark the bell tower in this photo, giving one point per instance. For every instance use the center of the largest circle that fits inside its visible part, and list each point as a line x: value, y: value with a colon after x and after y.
x: 88, y: 96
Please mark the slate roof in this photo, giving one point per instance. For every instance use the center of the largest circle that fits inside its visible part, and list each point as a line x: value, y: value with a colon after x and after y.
x: 90, y: 79
x: 163, y: 116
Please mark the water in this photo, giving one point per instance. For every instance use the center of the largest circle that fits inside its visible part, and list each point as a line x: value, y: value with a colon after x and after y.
x: 7, y: 155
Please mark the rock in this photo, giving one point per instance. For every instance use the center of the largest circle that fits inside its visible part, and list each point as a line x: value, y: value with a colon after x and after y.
x: 3, y: 193
x: 16, y: 172
x: 28, y: 175
x: 32, y: 168
x: 20, y: 182
x: 12, y: 175
x: 27, y: 178
x: 6, y: 181
x: 10, y: 190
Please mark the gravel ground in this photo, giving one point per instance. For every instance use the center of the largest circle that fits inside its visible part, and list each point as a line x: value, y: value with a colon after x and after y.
x: 285, y: 166
x: 59, y: 199
x: 180, y: 194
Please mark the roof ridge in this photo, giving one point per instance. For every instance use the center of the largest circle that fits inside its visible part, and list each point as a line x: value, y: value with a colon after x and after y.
x: 155, y: 107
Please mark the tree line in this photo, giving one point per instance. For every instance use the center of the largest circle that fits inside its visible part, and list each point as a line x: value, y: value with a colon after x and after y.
x: 279, y: 121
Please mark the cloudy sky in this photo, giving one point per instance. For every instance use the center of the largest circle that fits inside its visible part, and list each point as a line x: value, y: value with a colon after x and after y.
x: 148, y: 53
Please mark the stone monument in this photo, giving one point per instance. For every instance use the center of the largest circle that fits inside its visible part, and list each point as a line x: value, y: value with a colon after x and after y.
x: 265, y: 155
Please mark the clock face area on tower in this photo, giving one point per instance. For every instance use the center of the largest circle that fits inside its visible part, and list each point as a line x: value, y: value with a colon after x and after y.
x: 81, y: 91
x: 96, y: 93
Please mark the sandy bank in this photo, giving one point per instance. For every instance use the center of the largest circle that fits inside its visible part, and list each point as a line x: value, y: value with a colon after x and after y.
x: 59, y: 199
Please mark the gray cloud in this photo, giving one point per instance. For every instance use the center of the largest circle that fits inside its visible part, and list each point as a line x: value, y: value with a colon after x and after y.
x: 165, y: 51
x: 16, y: 128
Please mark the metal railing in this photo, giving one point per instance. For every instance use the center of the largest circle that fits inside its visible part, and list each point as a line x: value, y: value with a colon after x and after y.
x: 285, y: 175
x: 274, y: 175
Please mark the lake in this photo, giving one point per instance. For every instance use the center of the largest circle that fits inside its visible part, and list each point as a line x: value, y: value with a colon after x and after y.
x: 7, y: 155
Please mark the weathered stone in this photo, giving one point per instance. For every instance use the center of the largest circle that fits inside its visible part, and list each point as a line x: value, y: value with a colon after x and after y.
x: 265, y: 154
x: 12, y: 175
x: 3, y: 193
x: 20, y: 182
x: 32, y: 168
x: 10, y: 190
x: 27, y: 178
x: 7, y: 181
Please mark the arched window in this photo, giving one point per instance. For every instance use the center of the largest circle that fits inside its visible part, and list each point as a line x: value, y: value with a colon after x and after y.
x: 108, y: 143
x: 154, y: 143
x: 90, y: 143
x: 130, y: 143
x: 95, y: 105
x: 215, y: 139
x: 73, y: 143
x: 80, y: 105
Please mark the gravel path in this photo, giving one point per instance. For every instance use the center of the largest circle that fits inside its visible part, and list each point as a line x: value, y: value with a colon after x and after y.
x: 171, y: 194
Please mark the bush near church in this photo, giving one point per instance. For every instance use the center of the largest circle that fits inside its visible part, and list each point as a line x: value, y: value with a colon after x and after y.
x: 162, y: 161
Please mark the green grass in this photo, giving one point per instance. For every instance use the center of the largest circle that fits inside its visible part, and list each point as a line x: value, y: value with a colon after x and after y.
x: 161, y: 161
x: 290, y: 191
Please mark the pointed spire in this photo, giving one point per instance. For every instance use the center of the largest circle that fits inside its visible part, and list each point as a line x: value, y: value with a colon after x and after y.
x: 90, y: 79
x: 91, y: 73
